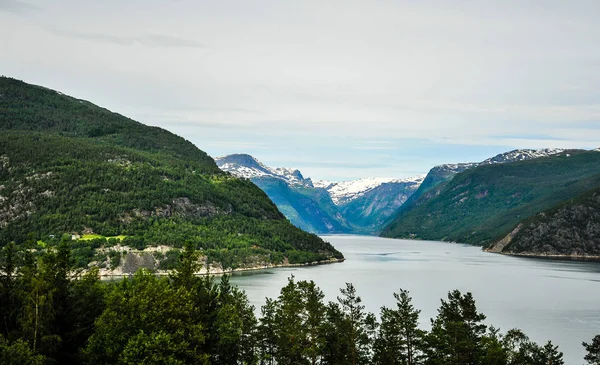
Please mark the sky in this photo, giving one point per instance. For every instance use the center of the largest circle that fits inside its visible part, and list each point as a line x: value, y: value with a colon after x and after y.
x: 338, y: 89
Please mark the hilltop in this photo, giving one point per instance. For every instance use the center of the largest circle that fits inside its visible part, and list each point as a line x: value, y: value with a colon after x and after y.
x: 71, y: 168
x: 483, y: 203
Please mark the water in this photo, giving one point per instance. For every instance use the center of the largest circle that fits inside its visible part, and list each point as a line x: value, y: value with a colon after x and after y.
x: 548, y: 300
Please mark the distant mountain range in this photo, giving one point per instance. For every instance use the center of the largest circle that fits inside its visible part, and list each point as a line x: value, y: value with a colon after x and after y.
x: 359, y: 206
x: 492, y: 202
x: 525, y: 202
x: 443, y: 173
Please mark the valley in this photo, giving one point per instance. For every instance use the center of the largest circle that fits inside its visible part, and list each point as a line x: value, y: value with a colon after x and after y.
x: 362, y: 206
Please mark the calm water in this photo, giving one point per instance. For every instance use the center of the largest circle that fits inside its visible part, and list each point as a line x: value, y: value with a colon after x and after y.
x: 548, y: 300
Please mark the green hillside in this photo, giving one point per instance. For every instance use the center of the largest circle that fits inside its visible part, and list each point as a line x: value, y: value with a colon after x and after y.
x: 483, y: 204
x: 569, y: 229
x: 70, y: 167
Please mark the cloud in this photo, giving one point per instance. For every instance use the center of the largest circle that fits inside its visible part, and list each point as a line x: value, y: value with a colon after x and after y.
x: 17, y: 7
x: 148, y: 40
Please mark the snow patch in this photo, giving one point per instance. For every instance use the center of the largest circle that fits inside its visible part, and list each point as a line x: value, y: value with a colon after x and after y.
x: 248, y: 167
x: 346, y: 191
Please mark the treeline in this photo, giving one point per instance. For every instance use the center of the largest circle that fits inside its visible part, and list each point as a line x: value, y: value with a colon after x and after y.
x: 54, y: 315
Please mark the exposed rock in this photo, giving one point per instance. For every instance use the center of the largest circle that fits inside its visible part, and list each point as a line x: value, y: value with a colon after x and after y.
x: 185, y: 207
x: 572, y: 229
x: 500, y: 245
x: 134, y: 261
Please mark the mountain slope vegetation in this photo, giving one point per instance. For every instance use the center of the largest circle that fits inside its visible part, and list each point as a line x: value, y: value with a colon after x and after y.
x: 570, y: 229
x: 70, y: 167
x: 483, y: 204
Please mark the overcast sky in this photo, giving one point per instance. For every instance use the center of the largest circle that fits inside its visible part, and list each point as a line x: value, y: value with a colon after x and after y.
x: 339, y: 89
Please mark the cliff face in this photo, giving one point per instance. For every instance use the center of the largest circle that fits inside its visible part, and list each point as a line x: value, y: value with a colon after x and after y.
x: 571, y: 229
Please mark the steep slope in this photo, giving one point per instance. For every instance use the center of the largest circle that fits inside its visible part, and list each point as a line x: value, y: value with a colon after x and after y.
x: 571, y: 229
x: 483, y: 204
x: 70, y: 167
x: 310, y: 209
x: 373, y: 209
x: 246, y: 166
x: 358, y: 206
x: 344, y: 192
x: 306, y: 206
x: 440, y: 175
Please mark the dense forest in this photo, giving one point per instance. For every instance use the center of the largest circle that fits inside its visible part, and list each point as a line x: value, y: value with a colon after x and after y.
x: 483, y: 204
x: 70, y: 167
x: 52, y: 314
x: 571, y: 228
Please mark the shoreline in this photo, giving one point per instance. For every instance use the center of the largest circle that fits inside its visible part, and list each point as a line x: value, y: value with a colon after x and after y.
x: 550, y: 256
x: 219, y: 271
x: 555, y: 257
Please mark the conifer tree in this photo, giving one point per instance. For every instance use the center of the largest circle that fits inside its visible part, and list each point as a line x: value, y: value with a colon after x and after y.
x: 456, y: 332
x: 399, y: 339
x: 593, y: 351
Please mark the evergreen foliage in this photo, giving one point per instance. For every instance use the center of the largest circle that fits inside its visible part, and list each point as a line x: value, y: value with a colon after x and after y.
x: 483, y: 204
x: 593, y: 351
x: 51, y: 314
x: 571, y: 228
x: 70, y: 167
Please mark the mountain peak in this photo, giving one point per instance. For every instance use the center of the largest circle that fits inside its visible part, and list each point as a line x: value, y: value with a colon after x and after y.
x: 345, y: 191
x: 521, y: 155
x: 246, y: 166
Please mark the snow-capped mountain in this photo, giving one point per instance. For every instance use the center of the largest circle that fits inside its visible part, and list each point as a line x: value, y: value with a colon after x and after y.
x: 323, y: 206
x: 346, y: 191
x: 246, y: 166
x: 521, y: 155
x: 445, y: 172
x: 364, y: 205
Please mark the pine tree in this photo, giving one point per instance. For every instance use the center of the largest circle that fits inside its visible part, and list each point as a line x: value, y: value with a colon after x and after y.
x: 456, y: 332
x: 290, y: 330
x: 313, y: 318
x: 266, y: 336
x: 593, y: 351
x: 399, y: 339
x: 355, y: 327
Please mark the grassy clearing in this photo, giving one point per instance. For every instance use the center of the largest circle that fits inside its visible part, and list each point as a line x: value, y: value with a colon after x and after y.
x: 87, y: 237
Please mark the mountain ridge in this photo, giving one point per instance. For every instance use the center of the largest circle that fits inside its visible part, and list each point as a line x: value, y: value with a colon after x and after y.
x: 483, y: 204
x: 356, y: 206
x: 71, y: 168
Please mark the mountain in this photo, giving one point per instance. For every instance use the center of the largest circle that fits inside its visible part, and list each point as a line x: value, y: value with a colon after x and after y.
x: 441, y: 174
x: 306, y: 206
x: 483, y: 204
x: 359, y: 206
x: 370, y: 204
x: 570, y: 229
x: 248, y: 167
x: 69, y: 167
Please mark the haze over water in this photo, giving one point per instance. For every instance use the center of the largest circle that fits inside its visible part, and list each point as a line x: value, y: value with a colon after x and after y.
x: 548, y: 300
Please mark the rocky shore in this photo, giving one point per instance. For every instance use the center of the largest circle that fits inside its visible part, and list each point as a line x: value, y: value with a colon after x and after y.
x: 137, y: 260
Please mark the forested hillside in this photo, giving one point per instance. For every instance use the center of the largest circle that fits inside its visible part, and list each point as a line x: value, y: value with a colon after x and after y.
x: 483, y: 204
x: 570, y: 229
x: 70, y: 167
